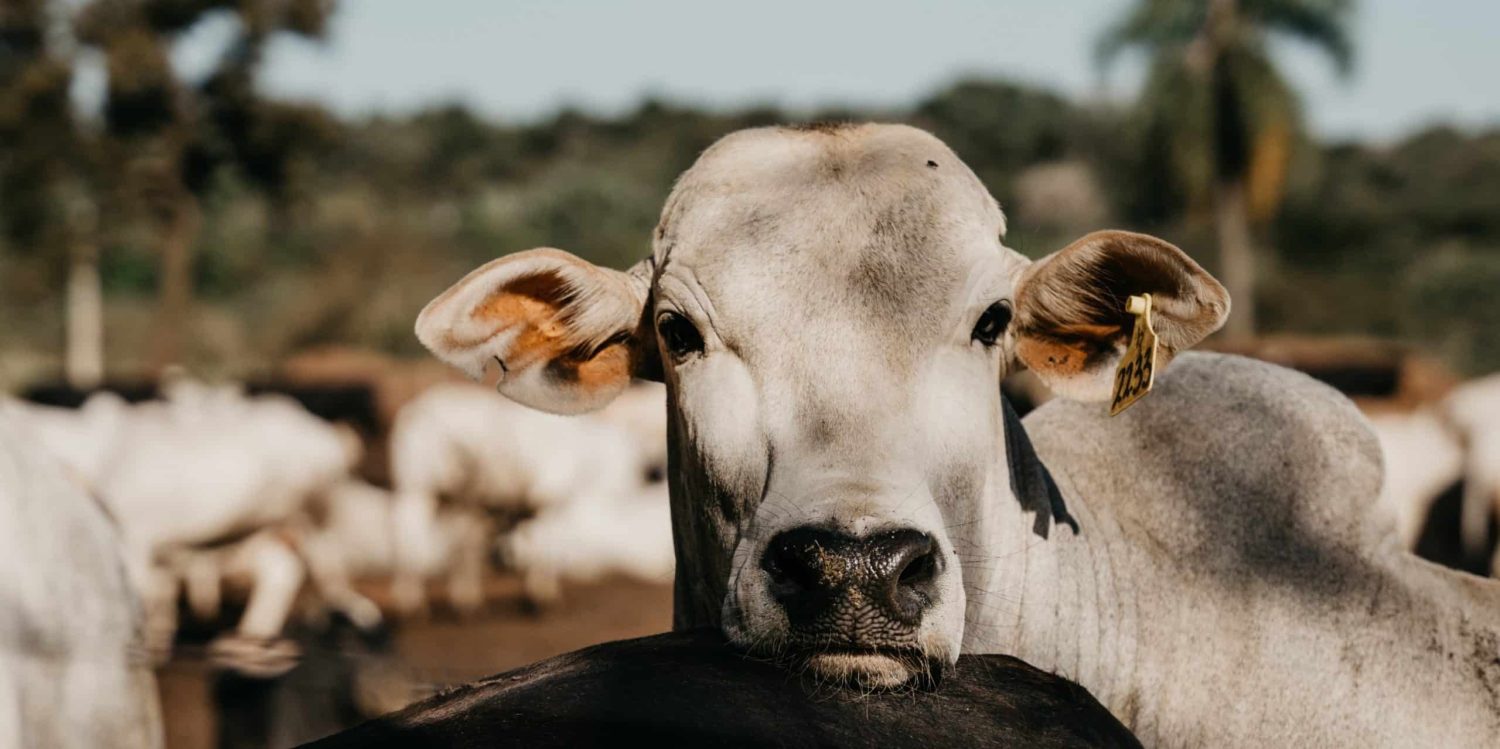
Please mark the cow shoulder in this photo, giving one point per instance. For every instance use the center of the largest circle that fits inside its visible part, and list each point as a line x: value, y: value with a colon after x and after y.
x: 1228, y: 460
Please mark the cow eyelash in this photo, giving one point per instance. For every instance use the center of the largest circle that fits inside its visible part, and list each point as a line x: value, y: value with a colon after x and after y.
x: 992, y: 323
x: 680, y: 337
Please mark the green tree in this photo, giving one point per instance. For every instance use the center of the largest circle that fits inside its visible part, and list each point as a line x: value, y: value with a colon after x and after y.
x: 1219, y: 114
x: 48, y: 162
x: 167, y: 139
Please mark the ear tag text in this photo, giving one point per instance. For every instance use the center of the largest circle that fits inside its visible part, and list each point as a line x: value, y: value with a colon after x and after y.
x: 1137, y: 369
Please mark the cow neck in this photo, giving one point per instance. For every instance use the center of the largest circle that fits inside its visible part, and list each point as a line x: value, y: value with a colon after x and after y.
x: 1055, y: 594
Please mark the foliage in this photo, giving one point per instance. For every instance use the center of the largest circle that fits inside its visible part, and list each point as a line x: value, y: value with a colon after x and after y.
x: 318, y: 230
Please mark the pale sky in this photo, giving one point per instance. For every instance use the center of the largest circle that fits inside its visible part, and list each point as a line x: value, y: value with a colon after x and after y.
x: 1419, y: 61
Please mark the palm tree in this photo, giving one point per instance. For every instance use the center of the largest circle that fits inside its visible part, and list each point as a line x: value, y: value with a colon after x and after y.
x: 1221, y: 111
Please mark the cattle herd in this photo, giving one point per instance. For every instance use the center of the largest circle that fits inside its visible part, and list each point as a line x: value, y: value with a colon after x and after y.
x: 208, y: 488
x: 832, y: 482
x: 1442, y: 474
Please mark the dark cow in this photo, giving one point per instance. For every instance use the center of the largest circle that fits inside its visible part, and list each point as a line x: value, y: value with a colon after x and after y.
x: 690, y: 689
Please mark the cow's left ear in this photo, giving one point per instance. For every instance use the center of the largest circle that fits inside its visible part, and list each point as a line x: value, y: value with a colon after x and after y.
x: 566, y: 334
x: 1071, y: 326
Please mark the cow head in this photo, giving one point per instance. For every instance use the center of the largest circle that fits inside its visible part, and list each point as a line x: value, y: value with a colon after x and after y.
x: 832, y: 310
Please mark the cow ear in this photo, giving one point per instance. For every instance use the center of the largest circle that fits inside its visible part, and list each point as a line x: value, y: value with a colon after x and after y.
x: 566, y: 335
x: 1071, y: 326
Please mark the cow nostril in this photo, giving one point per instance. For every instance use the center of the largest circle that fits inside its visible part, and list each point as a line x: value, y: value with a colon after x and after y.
x: 920, y: 569
x: 911, y: 585
x: 782, y: 568
x: 794, y: 561
x: 812, y: 571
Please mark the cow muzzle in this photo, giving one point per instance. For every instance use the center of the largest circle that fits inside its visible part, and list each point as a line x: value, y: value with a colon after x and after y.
x: 854, y: 605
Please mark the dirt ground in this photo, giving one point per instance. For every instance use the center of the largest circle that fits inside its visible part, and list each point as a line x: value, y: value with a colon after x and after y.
x: 203, y: 708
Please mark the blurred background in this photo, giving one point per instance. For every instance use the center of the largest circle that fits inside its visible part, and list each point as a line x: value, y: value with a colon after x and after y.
x: 265, y: 193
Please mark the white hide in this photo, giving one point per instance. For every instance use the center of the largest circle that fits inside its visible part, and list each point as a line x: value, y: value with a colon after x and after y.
x: 356, y: 539
x: 82, y: 438
x: 1206, y: 564
x: 1473, y: 409
x: 184, y: 476
x: 465, y: 446
x: 585, y: 543
x: 72, y: 669
x: 1422, y: 458
x: 211, y: 467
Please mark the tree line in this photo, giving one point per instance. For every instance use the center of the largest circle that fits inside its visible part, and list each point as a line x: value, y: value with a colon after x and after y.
x: 279, y: 226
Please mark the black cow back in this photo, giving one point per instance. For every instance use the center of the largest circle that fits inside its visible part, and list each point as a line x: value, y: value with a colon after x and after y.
x: 690, y: 689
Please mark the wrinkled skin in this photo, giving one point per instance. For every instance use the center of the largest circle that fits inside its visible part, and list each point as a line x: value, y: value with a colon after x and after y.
x: 832, y: 310
x: 821, y: 304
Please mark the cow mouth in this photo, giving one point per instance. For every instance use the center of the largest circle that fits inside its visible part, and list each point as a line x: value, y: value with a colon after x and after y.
x: 871, y: 669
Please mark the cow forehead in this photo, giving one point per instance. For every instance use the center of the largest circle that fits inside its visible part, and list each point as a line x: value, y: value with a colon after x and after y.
x: 880, y: 227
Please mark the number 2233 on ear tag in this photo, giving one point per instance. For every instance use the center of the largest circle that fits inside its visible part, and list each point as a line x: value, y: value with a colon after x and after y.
x: 1137, y: 370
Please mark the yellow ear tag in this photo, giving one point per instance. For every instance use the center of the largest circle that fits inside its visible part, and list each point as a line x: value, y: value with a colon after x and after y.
x: 1137, y: 370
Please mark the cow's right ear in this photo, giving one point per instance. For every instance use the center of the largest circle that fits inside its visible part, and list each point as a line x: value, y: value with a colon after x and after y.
x: 1071, y: 327
x: 567, y: 335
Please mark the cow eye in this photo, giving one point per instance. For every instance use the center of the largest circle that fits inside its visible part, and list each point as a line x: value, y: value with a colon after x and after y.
x: 992, y: 323
x: 678, y: 335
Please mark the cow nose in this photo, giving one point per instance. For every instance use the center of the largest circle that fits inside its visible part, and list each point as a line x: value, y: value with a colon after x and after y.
x: 814, y: 571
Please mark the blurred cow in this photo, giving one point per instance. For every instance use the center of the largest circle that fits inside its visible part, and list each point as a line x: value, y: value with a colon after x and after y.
x: 1473, y: 411
x: 461, y: 445
x: 1423, y: 458
x: 639, y: 410
x: 200, y: 472
x: 353, y: 536
x: 72, y: 671
x: 583, y: 543
x: 82, y: 438
x: 206, y: 484
x: 1442, y: 475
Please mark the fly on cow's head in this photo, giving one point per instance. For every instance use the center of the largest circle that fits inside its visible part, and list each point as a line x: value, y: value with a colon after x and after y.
x: 832, y: 316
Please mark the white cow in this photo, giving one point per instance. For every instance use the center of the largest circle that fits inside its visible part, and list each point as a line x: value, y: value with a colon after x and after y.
x: 208, y: 484
x: 1435, y: 446
x: 463, y: 446
x: 1422, y: 458
x: 73, y: 673
x: 80, y: 438
x: 584, y: 543
x: 1473, y: 411
x: 832, y: 310
x: 641, y: 411
x: 198, y: 486
x: 354, y: 537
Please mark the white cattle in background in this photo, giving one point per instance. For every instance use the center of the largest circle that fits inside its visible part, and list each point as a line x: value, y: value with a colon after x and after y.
x: 208, y: 472
x: 584, y: 543
x: 640, y: 410
x: 80, y: 438
x: 462, y: 445
x: 1431, y: 449
x: 73, y: 672
x: 354, y: 537
x: 206, y: 484
x: 1473, y: 411
x: 1423, y: 457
